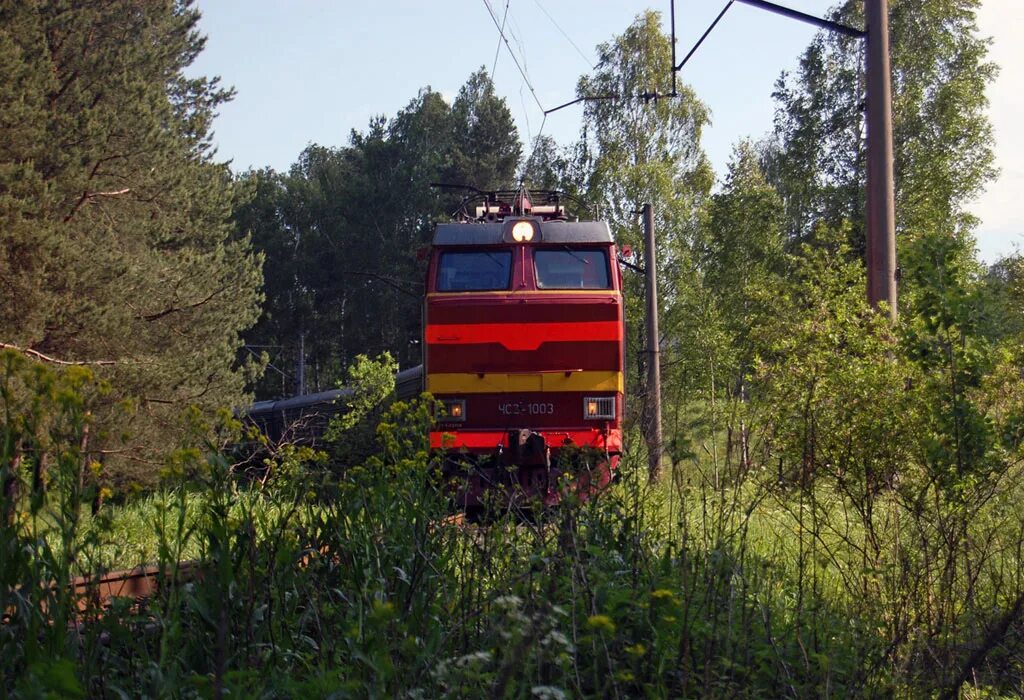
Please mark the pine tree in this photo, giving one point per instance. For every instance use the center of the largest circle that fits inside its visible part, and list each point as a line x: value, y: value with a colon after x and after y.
x: 487, y: 148
x: 344, y: 225
x: 115, y: 243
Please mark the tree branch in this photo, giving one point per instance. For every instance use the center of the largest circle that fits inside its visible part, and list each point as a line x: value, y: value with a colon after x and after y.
x: 995, y: 636
x: 389, y: 281
x: 177, y: 309
x: 113, y: 193
x: 46, y: 358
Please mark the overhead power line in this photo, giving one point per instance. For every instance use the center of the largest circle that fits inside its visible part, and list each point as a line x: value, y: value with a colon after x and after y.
x: 501, y: 32
x: 497, y: 49
x: 567, y: 37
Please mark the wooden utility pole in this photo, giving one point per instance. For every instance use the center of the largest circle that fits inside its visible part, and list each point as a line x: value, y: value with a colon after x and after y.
x: 653, y: 427
x: 881, y: 218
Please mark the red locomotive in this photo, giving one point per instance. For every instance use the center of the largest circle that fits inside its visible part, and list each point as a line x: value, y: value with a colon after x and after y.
x: 523, y: 348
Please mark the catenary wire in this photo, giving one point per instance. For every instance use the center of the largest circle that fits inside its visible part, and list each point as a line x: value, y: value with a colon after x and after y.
x: 497, y: 49
x: 567, y: 37
x: 513, y: 31
x: 501, y: 32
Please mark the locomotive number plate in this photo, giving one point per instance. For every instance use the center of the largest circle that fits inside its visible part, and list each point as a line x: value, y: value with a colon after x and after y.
x: 526, y: 408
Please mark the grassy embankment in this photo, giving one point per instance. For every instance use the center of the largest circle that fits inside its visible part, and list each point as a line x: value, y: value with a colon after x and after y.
x: 718, y: 581
x: 680, y: 588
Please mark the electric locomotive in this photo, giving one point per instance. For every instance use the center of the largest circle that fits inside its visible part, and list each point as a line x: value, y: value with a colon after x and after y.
x: 523, y: 349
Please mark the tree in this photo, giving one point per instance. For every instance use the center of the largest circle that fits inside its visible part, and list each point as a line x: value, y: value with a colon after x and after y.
x: 635, y: 150
x: 942, y: 138
x: 1004, y: 287
x: 116, y: 247
x: 344, y: 225
x: 263, y: 217
x: 548, y: 167
x: 486, y: 142
x: 744, y: 264
x: 744, y: 240
x: 943, y: 158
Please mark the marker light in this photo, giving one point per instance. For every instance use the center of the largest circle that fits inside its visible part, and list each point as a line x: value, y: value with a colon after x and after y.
x: 454, y: 410
x: 522, y: 232
x: 599, y: 407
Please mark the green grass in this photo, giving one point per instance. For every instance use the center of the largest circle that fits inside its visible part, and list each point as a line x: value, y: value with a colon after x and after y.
x: 715, y: 582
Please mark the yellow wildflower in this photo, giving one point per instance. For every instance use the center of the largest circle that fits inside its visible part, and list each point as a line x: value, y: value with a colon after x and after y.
x: 601, y: 623
x: 636, y: 650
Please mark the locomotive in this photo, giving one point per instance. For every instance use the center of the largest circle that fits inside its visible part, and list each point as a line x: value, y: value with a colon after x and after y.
x: 523, y: 350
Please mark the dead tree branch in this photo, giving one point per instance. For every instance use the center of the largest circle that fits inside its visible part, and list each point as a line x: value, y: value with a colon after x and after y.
x: 53, y: 360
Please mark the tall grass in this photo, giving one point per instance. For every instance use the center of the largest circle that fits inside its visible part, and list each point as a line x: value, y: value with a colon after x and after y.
x: 719, y: 581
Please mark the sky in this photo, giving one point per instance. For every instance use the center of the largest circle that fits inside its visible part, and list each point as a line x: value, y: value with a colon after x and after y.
x: 311, y: 71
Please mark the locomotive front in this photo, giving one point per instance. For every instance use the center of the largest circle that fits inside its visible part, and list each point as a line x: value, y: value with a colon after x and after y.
x: 524, y: 351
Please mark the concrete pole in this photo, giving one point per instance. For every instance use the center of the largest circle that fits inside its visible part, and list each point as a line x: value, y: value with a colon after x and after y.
x: 881, y: 218
x: 653, y: 428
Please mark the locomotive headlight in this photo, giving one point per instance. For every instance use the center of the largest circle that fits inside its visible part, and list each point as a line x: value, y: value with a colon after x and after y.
x: 522, y: 232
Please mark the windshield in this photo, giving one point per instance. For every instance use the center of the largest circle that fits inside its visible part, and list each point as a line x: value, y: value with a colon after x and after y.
x: 474, y: 272
x: 571, y: 269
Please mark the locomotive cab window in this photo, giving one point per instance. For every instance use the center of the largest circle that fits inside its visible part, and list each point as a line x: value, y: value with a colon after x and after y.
x: 474, y: 271
x: 571, y: 269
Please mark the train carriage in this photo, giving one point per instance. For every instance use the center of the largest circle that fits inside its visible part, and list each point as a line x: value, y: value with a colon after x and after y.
x: 524, y: 350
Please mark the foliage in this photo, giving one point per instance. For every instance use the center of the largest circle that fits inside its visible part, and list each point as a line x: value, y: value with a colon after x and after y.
x: 942, y: 139
x: 343, y: 228
x: 747, y: 585
x: 115, y: 244
x: 865, y: 539
x: 549, y: 167
x: 351, y: 432
x: 813, y: 570
x: 1003, y: 287
x: 633, y: 150
x: 637, y: 150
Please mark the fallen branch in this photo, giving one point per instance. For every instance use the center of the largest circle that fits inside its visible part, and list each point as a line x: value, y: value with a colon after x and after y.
x: 994, y: 637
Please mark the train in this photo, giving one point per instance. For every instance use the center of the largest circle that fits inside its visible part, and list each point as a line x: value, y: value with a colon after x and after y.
x: 523, y: 352
x: 523, y: 344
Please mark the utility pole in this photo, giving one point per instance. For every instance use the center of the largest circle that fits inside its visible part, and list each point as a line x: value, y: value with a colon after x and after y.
x: 881, y: 218
x: 300, y: 369
x: 880, y: 210
x: 653, y: 427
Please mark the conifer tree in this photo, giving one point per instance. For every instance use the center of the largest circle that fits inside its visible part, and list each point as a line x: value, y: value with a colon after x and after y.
x: 343, y: 227
x: 116, y: 247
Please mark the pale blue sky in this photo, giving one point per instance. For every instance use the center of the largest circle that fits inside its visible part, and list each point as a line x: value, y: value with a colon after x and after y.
x: 310, y: 71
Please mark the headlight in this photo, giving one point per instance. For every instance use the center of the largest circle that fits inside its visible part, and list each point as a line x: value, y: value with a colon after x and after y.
x: 599, y: 407
x: 522, y: 232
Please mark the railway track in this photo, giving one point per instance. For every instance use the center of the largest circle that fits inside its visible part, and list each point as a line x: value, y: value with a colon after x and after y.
x: 139, y: 584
